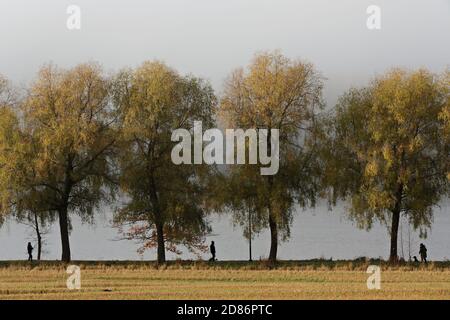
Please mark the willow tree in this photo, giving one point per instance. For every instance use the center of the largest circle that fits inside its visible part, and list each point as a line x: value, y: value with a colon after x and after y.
x: 16, y: 149
x: 235, y: 191
x: 389, y: 157
x: 69, y: 126
x: 278, y: 93
x: 163, y: 201
x: 10, y: 136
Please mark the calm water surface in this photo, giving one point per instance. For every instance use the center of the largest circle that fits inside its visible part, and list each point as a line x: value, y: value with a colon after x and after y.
x: 316, y: 233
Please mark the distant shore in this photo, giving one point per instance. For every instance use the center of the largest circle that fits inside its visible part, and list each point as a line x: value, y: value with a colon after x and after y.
x: 356, y: 264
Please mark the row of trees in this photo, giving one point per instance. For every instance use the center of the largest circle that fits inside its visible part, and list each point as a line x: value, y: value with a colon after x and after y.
x: 78, y: 140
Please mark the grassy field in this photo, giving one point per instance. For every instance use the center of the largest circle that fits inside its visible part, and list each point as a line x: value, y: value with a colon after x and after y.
x: 315, y: 279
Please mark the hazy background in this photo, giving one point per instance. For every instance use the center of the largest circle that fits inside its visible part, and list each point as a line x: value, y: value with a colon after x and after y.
x: 209, y: 38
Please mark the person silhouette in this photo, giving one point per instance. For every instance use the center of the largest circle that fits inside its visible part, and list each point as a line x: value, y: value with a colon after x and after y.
x: 415, y: 259
x: 212, y: 248
x: 30, y: 251
x: 423, y: 253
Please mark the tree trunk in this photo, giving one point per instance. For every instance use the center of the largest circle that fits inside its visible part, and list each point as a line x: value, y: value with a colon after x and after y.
x: 393, y: 256
x: 161, y: 244
x: 39, y: 248
x: 250, y: 235
x: 272, y: 222
x: 159, y: 222
x: 64, y: 230
x: 273, y: 239
x: 38, y: 234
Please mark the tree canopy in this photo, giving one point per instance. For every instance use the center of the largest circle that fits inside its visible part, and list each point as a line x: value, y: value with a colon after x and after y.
x: 388, y: 156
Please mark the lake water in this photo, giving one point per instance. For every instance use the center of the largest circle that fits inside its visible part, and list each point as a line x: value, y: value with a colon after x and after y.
x: 316, y: 233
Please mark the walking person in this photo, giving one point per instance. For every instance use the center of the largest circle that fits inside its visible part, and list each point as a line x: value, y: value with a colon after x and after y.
x: 423, y: 253
x: 212, y: 248
x: 30, y: 252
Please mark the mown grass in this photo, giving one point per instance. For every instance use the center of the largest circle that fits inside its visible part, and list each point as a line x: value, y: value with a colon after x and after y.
x: 314, y: 279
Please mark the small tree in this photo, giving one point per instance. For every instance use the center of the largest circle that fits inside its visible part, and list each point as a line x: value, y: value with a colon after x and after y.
x: 235, y: 191
x: 38, y: 222
x: 388, y: 155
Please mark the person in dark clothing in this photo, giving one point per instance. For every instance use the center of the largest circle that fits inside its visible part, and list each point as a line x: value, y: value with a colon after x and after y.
x: 212, y: 248
x: 415, y: 259
x: 423, y: 253
x: 30, y: 251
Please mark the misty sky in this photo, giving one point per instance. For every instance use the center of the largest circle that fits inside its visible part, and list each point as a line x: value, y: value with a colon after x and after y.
x: 209, y: 38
